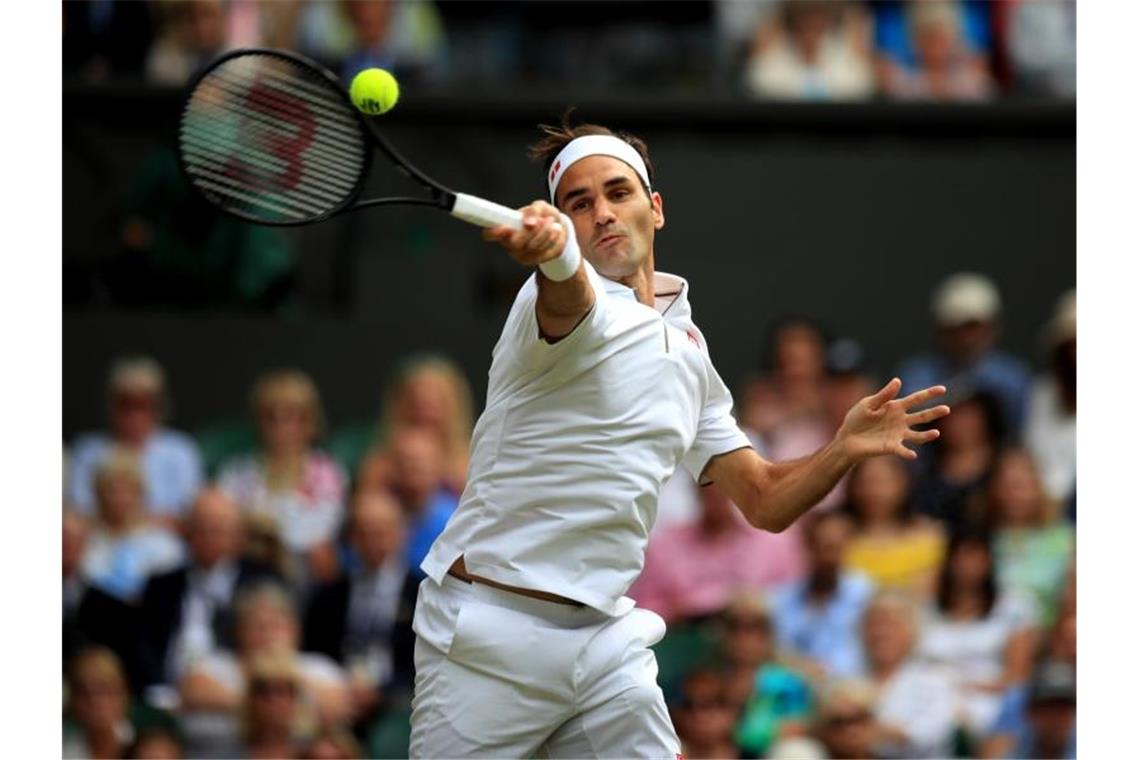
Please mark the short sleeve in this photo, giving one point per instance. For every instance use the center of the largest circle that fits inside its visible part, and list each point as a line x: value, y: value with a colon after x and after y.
x: 717, y: 431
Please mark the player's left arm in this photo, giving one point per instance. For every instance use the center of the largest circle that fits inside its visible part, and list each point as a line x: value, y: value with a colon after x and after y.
x: 773, y: 495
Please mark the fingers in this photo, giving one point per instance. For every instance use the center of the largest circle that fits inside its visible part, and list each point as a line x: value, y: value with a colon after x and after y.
x: 904, y: 453
x: 921, y: 436
x: 927, y: 415
x: 922, y: 396
x: 888, y: 392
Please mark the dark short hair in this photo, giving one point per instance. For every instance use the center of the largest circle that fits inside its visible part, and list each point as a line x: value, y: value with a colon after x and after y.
x: 964, y: 536
x: 556, y: 137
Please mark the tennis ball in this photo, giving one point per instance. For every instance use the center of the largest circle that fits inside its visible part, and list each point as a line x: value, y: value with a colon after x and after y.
x: 374, y: 91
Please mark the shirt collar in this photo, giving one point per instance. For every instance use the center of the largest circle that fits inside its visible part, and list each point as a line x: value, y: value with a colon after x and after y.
x: 671, y: 293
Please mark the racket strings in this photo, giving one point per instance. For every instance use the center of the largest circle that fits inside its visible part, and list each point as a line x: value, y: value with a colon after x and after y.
x: 272, y: 140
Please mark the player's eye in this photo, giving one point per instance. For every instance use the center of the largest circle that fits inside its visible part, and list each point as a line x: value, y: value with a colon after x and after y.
x: 620, y: 194
x: 579, y: 205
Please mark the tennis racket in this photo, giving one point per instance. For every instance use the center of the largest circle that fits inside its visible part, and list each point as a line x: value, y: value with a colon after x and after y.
x: 273, y: 138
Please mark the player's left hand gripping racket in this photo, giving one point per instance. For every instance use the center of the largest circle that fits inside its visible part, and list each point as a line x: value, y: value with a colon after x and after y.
x: 273, y: 138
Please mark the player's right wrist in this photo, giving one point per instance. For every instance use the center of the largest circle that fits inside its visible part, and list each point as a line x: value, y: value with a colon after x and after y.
x: 566, y: 264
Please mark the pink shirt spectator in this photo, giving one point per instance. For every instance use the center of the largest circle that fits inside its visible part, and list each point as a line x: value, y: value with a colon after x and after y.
x: 690, y: 571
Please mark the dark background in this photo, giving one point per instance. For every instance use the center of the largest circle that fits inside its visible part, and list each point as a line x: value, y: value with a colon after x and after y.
x: 847, y: 213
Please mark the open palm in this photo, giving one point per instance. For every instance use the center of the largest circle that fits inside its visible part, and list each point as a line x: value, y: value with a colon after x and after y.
x: 880, y: 424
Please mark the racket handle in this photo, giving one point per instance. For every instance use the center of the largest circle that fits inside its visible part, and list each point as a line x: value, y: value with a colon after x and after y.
x: 485, y: 213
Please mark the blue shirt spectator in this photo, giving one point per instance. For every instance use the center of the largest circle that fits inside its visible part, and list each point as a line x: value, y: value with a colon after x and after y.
x: 1036, y: 715
x: 171, y: 465
x: 423, y: 529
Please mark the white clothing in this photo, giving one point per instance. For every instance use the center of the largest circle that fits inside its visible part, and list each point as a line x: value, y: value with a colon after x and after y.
x: 120, y: 565
x: 1051, y: 434
x: 503, y: 675
x: 841, y: 73
x: 577, y: 439
x: 207, y: 591
x: 919, y: 701
x: 974, y: 652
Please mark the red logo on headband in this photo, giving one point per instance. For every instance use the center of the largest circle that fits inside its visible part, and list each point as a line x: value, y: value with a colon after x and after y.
x: 554, y: 169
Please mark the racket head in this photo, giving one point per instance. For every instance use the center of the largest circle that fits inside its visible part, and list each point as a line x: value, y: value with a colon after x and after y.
x: 273, y: 138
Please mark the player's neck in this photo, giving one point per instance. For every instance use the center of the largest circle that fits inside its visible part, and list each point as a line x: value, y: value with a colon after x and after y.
x: 641, y: 281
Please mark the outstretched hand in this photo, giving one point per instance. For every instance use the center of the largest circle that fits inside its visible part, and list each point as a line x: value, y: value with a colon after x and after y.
x: 880, y: 424
x: 542, y: 237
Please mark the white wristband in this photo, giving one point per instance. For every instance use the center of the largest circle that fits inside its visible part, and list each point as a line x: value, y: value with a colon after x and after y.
x: 566, y: 265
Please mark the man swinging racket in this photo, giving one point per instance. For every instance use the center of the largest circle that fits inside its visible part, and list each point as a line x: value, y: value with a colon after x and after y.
x: 600, y: 385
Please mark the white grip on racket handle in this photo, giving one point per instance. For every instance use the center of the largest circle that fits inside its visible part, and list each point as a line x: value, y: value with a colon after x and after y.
x: 485, y: 213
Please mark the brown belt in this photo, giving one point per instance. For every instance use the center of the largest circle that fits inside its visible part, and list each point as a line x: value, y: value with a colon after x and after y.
x: 459, y: 570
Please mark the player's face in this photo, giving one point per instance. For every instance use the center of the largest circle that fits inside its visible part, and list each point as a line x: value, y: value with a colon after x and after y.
x: 613, y: 217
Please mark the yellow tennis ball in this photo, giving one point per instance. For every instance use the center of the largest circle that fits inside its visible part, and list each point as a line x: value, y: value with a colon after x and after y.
x: 374, y: 91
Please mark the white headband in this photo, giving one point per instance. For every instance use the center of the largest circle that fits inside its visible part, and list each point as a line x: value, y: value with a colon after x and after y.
x: 594, y: 145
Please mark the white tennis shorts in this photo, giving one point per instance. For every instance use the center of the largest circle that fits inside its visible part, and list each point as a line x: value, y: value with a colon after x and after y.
x: 503, y: 675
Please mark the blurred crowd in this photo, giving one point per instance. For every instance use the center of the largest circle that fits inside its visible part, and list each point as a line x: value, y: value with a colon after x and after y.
x: 818, y: 50
x: 248, y: 591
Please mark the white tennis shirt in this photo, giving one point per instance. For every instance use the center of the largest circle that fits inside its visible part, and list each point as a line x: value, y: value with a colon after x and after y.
x: 577, y: 439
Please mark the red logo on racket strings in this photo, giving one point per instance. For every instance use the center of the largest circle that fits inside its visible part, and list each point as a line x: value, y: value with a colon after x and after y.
x: 289, y: 128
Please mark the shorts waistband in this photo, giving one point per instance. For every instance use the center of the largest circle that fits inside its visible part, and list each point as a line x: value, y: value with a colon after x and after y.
x: 555, y: 612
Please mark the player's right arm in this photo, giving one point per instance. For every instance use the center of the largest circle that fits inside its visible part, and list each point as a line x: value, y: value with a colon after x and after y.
x: 561, y: 305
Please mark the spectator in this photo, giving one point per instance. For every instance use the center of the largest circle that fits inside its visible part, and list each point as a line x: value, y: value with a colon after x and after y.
x: 1038, y: 721
x: 770, y: 699
x: 97, y: 724
x: 1033, y: 548
x: 123, y: 548
x: 817, y: 618
x: 813, y: 51
x: 1041, y: 44
x: 272, y: 719
x: 966, y: 307
x: 694, y: 569
x: 891, y: 545
x: 156, y: 744
x: 1051, y: 431
x: 364, y: 621
x: 215, y: 686
x: 960, y: 461
x: 186, y: 613
x: 944, y: 67
x: 914, y: 710
x: 416, y: 455
x: 983, y: 638
x: 194, y: 34
x: 705, y: 717
x: 429, y: 391
x: 298, y: 487
x: 846, y: 719
x: 137, y: 402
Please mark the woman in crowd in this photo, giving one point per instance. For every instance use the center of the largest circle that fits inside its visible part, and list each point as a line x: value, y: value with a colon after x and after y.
x: 961, y: 459
x: 217, y: 685
x: 97, y: 724
x: 124, y: 548
x: 273, y: 721
x: 983, y: 637
x: 428, y: 391
x: 289, y: 482
x: 1033, y: 547
x: 769, y: 698
x: 891, y: 545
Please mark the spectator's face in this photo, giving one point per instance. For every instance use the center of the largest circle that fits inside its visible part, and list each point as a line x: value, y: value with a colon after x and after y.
x: 215, y: 529
x: 828, y: 543
x: 1016, y: 492
x: 417, y: 463
x: 286, y: 426
x: 935, y: 43
x: 427, y: 400
x: 967, y: 341
x: 799, y: 354
x: 613, y: 218
x: 273, y: 706
x: 707, y: 717
x: 809, y: 25
x: 207, y: 24
x: 888, y: 635
x: 849, y: 731
x: 377, y: 529
x: 267, y: 628
x: 749, y: 638
x: 120, y: 500
x: 879, y: 488
x: 134, y: 415
x: 965, y: 428
x: 74, y: 541
x: 970, y: 564
x: 100, y: 699
x: 370, y: 19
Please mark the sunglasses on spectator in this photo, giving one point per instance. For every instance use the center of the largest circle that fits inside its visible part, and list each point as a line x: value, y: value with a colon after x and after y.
x: 850, y: 719
x: 273, y: 688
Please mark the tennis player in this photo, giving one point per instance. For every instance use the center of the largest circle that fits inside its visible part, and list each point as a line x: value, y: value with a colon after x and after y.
x: 600, y: 385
